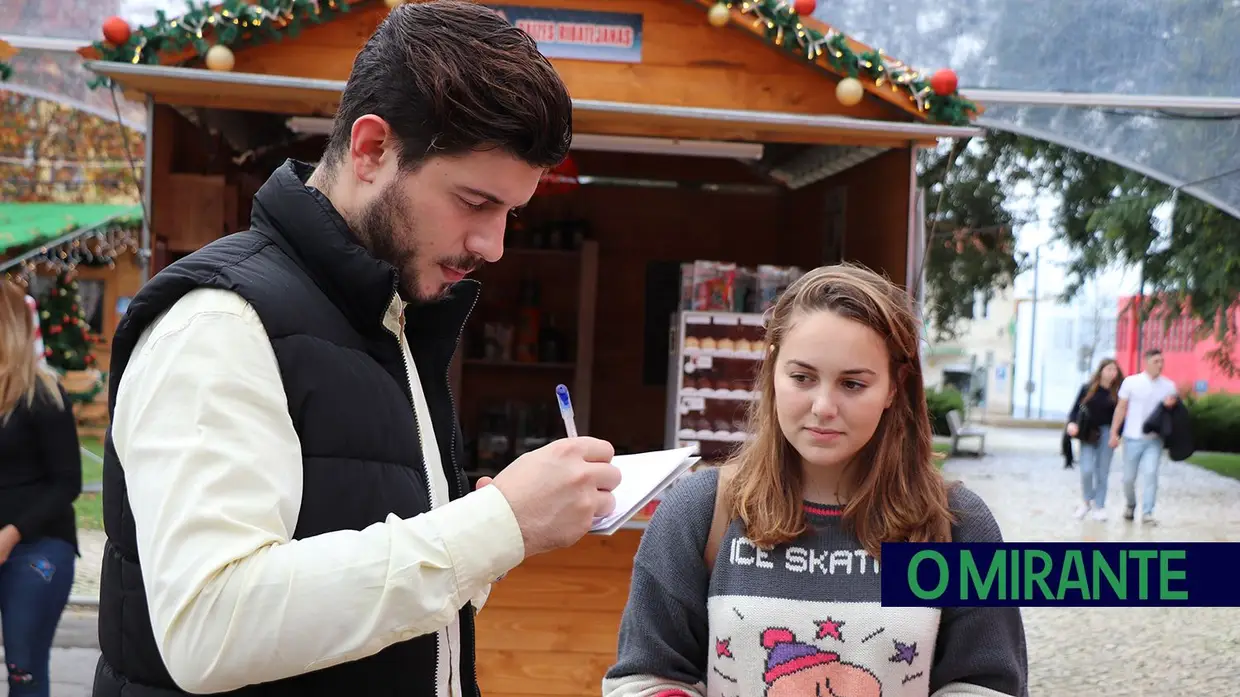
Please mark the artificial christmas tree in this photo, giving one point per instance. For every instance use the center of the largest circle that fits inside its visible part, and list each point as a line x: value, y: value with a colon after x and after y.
x: 64, y: 329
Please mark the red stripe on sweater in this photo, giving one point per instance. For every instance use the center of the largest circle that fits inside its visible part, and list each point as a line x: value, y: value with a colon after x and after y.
x: 817, y: 510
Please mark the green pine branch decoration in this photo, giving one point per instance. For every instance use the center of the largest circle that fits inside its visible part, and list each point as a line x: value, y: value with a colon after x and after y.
x: 234, y: 23
x: 6, y: 71
x: 783, y: 28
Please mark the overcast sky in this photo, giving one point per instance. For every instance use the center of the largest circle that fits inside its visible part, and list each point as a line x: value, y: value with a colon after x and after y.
x: 1054, y: 255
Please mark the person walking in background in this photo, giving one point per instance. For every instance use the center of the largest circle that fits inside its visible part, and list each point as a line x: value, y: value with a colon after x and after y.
x: 1089, y: 419
x: 1139, y: 397
x: 40, y: 476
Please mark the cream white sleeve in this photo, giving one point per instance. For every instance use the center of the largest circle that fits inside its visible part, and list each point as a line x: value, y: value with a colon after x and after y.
x: 214, y: 476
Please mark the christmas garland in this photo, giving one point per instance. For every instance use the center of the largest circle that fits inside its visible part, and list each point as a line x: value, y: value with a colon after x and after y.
x: 231, y: 23
x: 6, y: 52
x: 784, y: 28
x: 240, y: 23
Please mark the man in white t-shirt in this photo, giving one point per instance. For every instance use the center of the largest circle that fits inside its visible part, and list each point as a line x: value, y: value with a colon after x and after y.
x: 1139, y: 396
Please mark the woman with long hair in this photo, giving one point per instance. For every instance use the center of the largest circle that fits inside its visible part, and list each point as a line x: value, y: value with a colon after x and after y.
x: 762, y: 578
x: 1089, y: 421
x: 40, y: 476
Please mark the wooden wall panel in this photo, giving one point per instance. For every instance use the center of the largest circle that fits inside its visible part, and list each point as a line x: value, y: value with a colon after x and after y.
x: 199, y: 210
x: 551, y: 626
x: 878, y: 212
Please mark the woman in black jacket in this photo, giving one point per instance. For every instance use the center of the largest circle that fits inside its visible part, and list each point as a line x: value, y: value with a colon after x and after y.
x: 1090, y: 421
x: 40, y: 476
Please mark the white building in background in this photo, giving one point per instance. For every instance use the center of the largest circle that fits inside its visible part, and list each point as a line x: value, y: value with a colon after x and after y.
x: 981, y: 354
x: 1058, y: 351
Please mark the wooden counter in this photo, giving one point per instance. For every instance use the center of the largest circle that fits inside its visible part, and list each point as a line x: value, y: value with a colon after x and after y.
x: 550, y: 627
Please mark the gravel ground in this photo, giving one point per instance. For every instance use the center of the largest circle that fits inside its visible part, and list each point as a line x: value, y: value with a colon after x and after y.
x: 1119, y: 652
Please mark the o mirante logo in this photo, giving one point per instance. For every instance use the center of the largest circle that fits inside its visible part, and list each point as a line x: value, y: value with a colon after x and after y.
x: 1060, y: 574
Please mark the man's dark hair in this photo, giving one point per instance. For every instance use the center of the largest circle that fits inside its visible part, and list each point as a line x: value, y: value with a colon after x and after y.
x: 451, y: 76
x: 1150, y: 353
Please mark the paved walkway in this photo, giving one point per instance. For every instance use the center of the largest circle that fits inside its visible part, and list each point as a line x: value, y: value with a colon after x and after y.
x: 1112, y: 652
x: 73, y: 656
x: 1108, y: 652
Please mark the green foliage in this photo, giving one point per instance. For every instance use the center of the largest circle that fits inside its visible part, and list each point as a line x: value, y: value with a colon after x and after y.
x: 939, y: 401
x: 1216, y: 422
x: 1110, y: 217
x: 970, y: 245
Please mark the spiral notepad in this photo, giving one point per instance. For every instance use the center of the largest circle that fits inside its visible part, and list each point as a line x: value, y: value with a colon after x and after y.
x: 642, y: 477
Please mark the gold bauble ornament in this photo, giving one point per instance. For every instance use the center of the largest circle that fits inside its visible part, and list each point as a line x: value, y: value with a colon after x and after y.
x: 220, y: 58
x: 393, y: 4
x: 719, y: 15
x: 849, y: 91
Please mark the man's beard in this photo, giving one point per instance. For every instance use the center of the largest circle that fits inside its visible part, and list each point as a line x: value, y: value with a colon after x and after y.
x: 378, y: 226
x: 390, y: 233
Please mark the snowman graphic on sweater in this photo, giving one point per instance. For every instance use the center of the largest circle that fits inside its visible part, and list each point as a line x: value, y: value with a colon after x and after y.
x: 796, y: 669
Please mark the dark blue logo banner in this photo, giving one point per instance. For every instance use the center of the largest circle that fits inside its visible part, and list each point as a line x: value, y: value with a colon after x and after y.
x: 1061, y: 574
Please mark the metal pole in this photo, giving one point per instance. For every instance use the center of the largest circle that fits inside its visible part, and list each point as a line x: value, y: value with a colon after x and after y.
x: 1033, y: 333
x: 144, y: 253
x: 1042, y: 394
x: 1225, y: 105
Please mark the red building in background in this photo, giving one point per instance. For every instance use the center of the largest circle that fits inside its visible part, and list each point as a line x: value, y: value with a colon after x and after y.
x: 1187, y: 359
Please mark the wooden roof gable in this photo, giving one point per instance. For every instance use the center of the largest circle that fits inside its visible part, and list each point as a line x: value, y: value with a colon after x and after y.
x: 239, y: 25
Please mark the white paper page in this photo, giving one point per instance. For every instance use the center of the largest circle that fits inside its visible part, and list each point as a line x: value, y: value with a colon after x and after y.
x: 642, y: 477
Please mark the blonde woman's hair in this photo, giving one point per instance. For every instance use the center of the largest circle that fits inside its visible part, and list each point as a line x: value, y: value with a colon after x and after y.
x: 898, y: 495
x: 22, y: 373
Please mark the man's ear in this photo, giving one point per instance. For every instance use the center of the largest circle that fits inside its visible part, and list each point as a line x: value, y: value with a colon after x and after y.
x: 369, y: 149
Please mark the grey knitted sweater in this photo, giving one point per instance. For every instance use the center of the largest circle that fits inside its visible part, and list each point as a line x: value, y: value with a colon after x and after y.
x: 800, y: 620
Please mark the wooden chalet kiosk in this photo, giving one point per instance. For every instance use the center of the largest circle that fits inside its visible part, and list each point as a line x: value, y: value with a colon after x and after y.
x: 703, y: 132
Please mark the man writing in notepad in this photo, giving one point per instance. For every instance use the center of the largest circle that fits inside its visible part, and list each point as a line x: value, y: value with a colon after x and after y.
x: 285, y: 508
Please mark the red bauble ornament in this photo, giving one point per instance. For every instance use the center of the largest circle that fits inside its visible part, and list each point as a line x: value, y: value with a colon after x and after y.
x: 804, y: 7
x: 116, y: 31
x: 559, y: 180
x: 944, y: 82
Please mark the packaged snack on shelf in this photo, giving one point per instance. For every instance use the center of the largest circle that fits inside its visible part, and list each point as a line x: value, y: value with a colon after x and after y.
x: 713, y: 285
x: 772, y: 282
x: 745, y: 290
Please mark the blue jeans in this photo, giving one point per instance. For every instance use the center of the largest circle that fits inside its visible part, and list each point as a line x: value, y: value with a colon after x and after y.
x: 1095, y: 469
x: 34, y: 587
x: 1142, y: 455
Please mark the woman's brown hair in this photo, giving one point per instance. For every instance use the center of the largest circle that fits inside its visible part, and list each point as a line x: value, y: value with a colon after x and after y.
x: 898, y: 494
x: 1096, y: 381
x: 22, y: 374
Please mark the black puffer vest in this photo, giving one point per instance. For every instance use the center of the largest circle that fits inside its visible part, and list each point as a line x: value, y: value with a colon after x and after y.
x: 347, y: 388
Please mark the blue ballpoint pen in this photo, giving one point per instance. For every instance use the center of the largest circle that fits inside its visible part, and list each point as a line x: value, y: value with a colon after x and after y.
x: 566, y: 410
